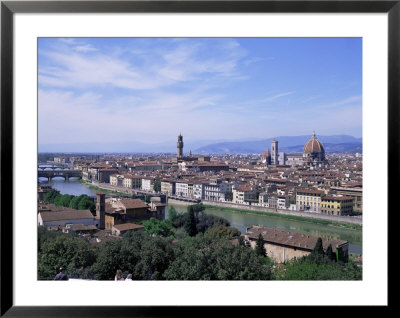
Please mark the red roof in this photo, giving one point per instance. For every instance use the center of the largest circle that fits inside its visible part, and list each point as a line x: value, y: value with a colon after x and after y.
x: 293, y: 239
x: 133, y: 203
x: 128, y: 226
x: 313, y: 145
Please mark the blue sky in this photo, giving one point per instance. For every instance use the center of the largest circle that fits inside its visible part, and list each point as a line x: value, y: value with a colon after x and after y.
x: 152, y: 89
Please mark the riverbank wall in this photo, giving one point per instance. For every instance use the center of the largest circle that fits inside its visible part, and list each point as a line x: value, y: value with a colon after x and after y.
x: 250, y: 208
x: 109, y: 187
x: 318, y: 216
x: 178, y: 202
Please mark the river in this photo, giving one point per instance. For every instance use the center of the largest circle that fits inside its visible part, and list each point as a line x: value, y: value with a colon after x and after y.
x: 240, y: 220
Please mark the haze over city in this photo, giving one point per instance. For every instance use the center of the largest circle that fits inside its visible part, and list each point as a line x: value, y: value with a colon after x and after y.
x: 148, y: 90
x: 200, y: 159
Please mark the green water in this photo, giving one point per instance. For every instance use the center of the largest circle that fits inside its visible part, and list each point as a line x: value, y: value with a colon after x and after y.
x: 243, y: 220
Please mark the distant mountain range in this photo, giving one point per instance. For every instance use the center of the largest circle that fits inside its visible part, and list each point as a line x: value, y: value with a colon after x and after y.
x: 288, y: 144
x: 124, y: 147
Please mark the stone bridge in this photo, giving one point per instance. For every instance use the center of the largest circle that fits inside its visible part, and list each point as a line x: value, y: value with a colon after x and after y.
x: 50, y: 168
x: 66, y: 174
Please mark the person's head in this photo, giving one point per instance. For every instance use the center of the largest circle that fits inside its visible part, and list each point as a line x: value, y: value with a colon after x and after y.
x: 61, y: 269
x: 129, y: 276
x: 119, y: 274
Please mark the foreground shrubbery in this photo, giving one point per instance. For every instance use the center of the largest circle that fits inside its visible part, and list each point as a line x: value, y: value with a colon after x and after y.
x: 56, y: 249
x: 308, y: 270
x: 202, y: 257
x: 319, y: 265
x: 188, y: 246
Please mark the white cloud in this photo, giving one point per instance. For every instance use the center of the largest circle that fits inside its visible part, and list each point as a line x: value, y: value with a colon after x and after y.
x: 157, y: 68
x: 85, y: 48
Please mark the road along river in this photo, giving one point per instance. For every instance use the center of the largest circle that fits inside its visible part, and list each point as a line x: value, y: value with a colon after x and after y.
x: 241, y: 220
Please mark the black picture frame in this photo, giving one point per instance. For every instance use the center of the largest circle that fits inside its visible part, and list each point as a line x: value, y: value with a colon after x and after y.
x: 8, y: 8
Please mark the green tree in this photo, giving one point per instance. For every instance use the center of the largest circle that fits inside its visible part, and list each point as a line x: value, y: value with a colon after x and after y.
x: 207, y: 258
x: 179, y: 220
x: 157, y: 185
x: 223, y: 231
x: 172, y: 213
x: 155, y: 257
x: 205, y: 221
x: 329, y: 253
x: 158, y: 227
x: 190, y: 223
x: 86, y: 204
x: 73, y: 204
x: 260, y: 249
x: 143, y: 256
x: 341, y: 256
x: 319, y: 249
x: 307, y: 269
x: 59, y: 249
x: 63, y: 200
x: 51, y: 195
x: 197, y: 208
x: 110, y: 259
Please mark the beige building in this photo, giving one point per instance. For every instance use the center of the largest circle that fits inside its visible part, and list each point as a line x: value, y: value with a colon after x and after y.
x: 309, y: 200
x: 354, y: 192
x: 147, y: 184
x: 116, y: 180
x: 282, y: 246
x: 245, y: 193
x: 337, y: 205
x: 168, y: 186
x: 132, y: 182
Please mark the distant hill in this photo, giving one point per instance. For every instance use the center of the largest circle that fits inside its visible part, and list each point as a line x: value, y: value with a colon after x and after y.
x: 289, y: 144
x: 349, y: 147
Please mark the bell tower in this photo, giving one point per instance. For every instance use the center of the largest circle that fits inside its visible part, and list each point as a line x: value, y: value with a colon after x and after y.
x: 179, y: 146
x: 274, y: 152
x: 100, y: 209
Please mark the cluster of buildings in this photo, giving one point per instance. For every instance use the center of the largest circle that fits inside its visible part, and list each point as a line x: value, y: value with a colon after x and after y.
x: 313, y: 181
x: 313, y: 155
x: 114, y: 217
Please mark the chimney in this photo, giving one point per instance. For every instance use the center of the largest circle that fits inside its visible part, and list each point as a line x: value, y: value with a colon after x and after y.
x: 101, y: 209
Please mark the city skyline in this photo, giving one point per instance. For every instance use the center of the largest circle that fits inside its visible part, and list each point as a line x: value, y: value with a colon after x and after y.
x: 150, y: 89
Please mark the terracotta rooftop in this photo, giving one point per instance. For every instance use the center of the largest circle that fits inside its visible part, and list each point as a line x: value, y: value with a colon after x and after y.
x: 313, y: 145
x: 133, y: 203
x: 310, y: 191
x: 70, y: 214
x: 128, y: 226
x: 82, y: 227
x: 292, y: 239
x: 336, y: 198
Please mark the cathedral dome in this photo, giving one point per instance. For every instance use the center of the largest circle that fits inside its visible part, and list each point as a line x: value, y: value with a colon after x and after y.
x: 313, y: 146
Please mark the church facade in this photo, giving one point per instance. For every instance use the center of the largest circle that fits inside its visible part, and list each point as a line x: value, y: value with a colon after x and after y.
x: 313, y: 155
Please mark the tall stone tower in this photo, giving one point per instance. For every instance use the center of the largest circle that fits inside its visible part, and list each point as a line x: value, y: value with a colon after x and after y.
x: 274, y: 152
x: 101, y: 209
x: 179, y: 146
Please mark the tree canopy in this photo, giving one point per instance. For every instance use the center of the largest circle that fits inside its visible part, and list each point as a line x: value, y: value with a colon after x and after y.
x: 81, y: 202
x: 260, y: 249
